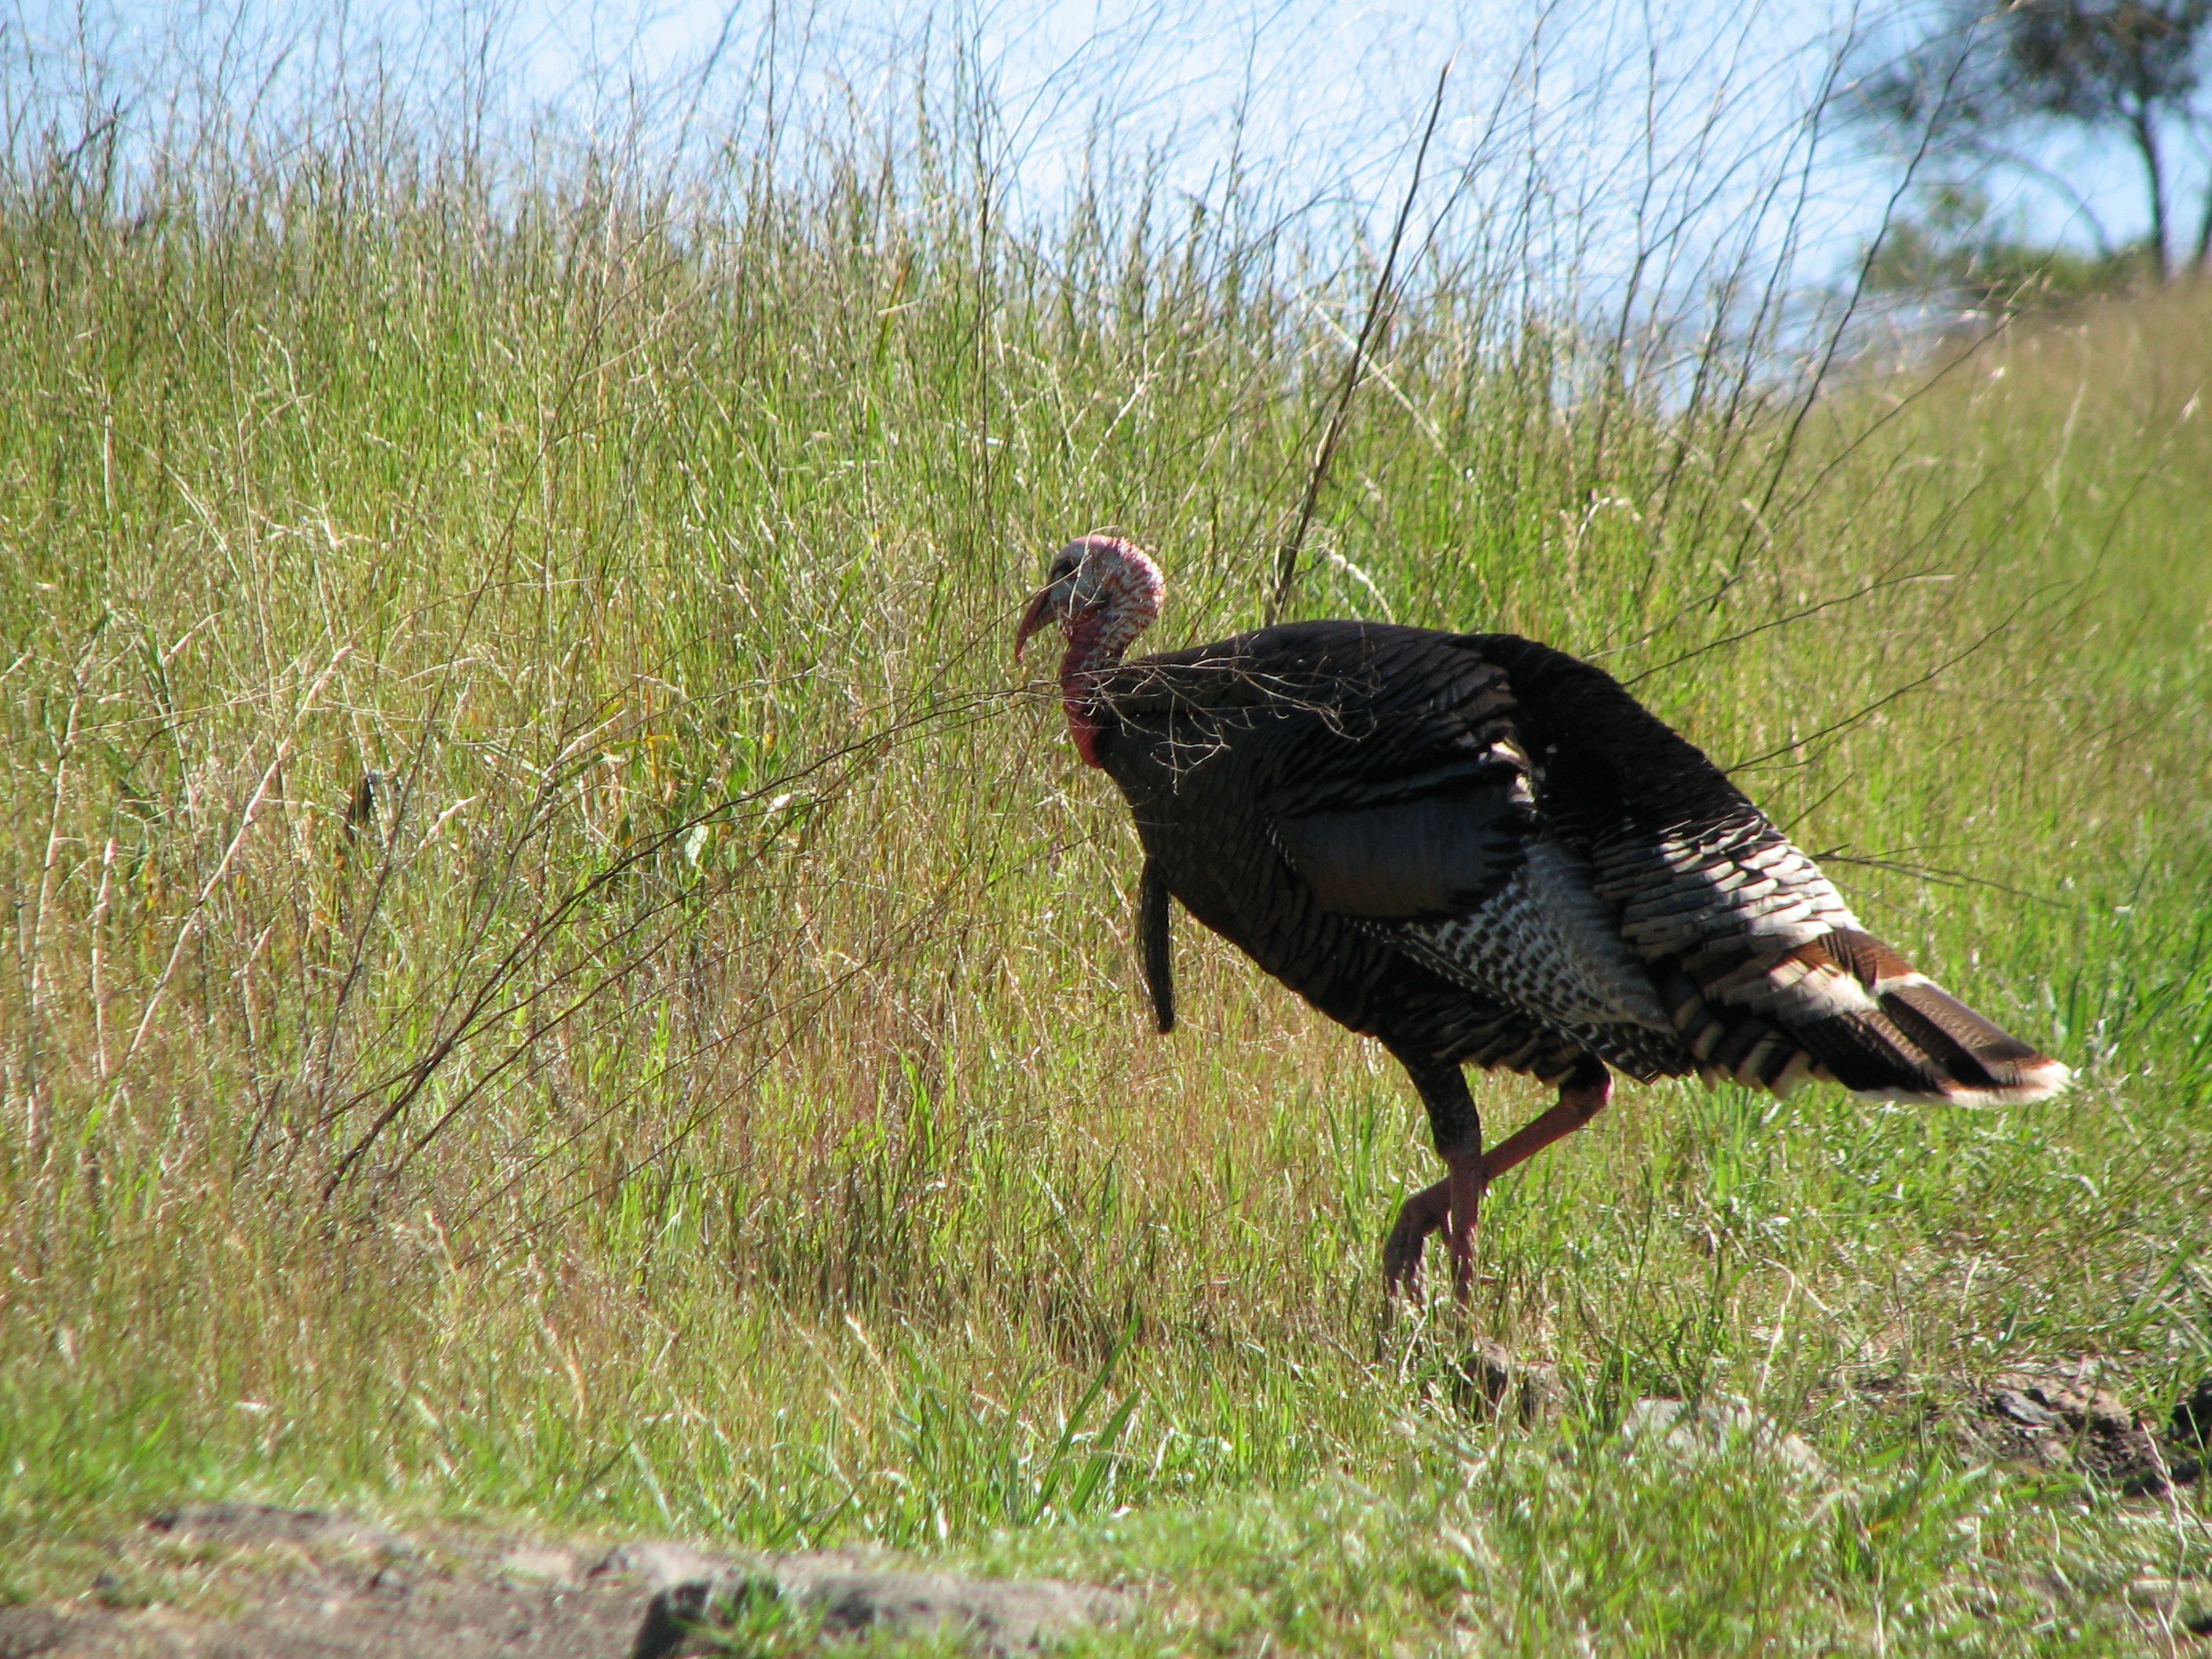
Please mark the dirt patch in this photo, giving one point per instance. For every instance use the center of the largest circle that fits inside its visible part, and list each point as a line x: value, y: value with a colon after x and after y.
x: 245, y: 1580
x: 2064, y: 1416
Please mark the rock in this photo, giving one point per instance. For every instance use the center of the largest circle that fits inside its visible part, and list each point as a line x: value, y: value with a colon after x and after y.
x: 1492, y: 1382
x: 689, y: 1616
x: 258, y: 1526
x: 1715, y: 1426
x: 1003, y: 1617
x: 539, y: 1563
x: 2061, y: 1418
x: 2045, y: 1401
x: 2024, y: 1409
x: 280, y: 1583
x: 26, y: 1632
x: 662, y: 1565
x: 2191, y: 1426
x: 991, y: 1616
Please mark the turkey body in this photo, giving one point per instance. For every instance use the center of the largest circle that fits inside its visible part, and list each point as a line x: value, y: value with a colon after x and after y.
x: 1480, y: 850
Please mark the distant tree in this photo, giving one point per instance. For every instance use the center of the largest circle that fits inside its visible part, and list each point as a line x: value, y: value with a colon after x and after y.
x: 1950, y: 247
x: 1974, y: 80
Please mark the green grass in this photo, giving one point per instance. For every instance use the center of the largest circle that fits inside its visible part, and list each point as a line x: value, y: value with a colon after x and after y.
x: 710, y: 1091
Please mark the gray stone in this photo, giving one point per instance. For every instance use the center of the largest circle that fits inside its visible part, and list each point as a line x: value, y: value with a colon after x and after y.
x: 663, y: 1565
x: 2190, y: 1424
x: 257, y: 1526
x: 2056, y: 1402
x: 2059, y: 1417
x: 539, y: 1563
x: 2024, y: 1409
x: 287, y: 1583
x: 1713, y: 1427
x: 993, y: 1616
x: 1493, y: 1383
x: 25, y: 1632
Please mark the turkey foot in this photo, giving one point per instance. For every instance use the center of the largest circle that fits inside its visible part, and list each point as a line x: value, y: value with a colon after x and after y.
x: 1421, y: 1214
x: 1449, y: 1206
x: 1451, y: 1203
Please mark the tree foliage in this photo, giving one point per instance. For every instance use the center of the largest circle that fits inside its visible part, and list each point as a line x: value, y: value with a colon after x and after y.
x: 1980, y: 86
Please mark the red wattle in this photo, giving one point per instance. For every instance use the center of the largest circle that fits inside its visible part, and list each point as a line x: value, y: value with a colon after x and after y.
x: 1076, y: 689
x: 1083, y: 729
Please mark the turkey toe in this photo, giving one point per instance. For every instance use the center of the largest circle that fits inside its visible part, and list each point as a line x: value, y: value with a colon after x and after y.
x: 1423, y: 1213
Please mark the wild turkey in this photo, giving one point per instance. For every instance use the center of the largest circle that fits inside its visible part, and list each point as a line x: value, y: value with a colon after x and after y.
x: 1482, y: 850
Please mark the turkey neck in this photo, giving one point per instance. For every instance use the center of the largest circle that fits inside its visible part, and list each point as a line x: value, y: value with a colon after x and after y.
x: 1091, y: 654
x: 1095, y: 644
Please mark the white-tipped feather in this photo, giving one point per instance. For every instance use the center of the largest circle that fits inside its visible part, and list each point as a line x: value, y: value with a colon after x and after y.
x: 2041, y: 1082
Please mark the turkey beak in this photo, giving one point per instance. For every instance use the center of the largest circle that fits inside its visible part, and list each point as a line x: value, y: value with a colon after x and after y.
x: 1043, y: 609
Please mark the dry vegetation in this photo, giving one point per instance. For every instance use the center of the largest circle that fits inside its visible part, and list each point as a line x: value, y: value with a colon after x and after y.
x: 552, y: 966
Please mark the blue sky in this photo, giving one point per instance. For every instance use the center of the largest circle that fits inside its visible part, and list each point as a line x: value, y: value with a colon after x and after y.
x: 1635, y: 104
x: 1328, y: 96
x: 1329, y: 93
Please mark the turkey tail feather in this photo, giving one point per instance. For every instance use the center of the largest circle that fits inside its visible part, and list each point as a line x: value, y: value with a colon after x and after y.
x: 1844, y: 1005
x: 1981, y: 1063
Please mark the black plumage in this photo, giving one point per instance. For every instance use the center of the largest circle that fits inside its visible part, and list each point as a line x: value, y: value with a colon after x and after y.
x: 1480, y: 850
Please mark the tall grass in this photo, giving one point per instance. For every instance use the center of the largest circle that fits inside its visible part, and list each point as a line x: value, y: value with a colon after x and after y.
x: 554, y: 964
